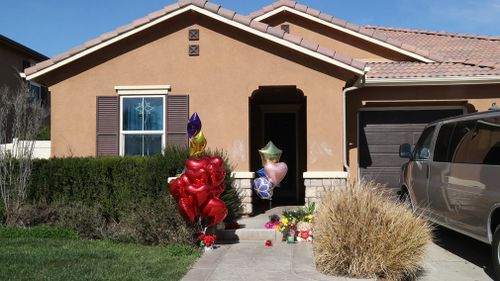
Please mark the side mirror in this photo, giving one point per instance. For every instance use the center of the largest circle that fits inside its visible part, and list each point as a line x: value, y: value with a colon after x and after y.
x: 405, y: 151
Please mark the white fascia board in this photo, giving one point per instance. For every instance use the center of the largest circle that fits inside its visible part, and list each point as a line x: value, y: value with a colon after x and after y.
x: 435, y: 81
x: 211, y: 15
x: 108, y: 42
x: 22, y: 75
x: 280, y: 41
x: 345, y: 30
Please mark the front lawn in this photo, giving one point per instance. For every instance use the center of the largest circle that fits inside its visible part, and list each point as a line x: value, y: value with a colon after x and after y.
x: 63, y: 258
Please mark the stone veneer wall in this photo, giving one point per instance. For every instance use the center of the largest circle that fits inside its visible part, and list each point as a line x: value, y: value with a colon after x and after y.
x: 243, y: 184
x: 316, y: 186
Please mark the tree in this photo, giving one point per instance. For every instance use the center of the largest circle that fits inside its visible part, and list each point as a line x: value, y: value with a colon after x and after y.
x: 21, y: 116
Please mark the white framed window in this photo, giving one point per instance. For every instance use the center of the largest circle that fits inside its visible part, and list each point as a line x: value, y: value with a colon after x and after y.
x: 142, y: 124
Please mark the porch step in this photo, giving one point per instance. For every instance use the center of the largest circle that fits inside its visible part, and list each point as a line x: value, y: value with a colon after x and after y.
x: 253, y: 228
x: 246, y: 234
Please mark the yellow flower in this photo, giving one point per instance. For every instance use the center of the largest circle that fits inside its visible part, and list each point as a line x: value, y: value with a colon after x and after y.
x: 284, y: 221
x: 278, y: 228
x: 309, y: 218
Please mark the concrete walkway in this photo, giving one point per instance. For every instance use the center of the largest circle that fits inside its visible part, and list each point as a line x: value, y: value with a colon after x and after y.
x: 452, y: 257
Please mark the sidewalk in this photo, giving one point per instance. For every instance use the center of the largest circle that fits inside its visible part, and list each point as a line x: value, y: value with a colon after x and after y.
x: 254, y: 261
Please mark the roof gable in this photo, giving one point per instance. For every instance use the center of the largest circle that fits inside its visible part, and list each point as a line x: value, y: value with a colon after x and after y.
x: 211, y: 10
x: 361, y: 32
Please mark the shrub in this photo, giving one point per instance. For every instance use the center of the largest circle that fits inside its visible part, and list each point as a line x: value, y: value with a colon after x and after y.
x: 361, y: 232
x: 115, y: 183
x: 154, y: 222
x: 37, y: 232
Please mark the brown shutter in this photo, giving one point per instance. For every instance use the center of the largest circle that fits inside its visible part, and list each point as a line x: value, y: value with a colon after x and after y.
x: 107, y: 129
x: 177, y: 118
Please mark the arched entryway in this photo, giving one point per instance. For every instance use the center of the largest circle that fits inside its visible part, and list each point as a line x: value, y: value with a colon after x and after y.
x: 278, y: 114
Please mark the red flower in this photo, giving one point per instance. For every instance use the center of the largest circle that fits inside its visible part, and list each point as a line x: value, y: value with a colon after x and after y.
x: 209, y: 240
x: 201, y: 236
x: 269, y: 243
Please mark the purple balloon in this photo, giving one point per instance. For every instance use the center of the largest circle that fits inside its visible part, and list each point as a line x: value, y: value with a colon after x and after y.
x: 194, y: 125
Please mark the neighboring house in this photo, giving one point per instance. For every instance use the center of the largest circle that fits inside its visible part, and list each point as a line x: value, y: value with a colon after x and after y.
x: 14, y: 58
x: 263, y: 77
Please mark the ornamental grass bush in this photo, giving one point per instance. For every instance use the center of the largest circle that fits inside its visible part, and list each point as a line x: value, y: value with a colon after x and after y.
x: 361, y: 232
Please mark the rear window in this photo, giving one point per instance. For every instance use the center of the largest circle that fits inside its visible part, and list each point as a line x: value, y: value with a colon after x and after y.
x: 469, y: 142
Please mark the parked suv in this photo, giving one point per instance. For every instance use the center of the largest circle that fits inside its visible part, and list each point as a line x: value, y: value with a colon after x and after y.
x: 453, y: 176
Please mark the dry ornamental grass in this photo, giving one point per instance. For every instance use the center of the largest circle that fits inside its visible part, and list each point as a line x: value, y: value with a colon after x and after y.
x: 361, y: 232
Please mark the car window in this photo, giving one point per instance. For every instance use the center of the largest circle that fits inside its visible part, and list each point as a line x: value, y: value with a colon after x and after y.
x: 422, y: 149
x: 441, y: 150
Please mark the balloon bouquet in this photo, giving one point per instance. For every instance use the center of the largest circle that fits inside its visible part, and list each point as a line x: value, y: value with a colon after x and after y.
x: 272, y: 174
x: 198, y: 188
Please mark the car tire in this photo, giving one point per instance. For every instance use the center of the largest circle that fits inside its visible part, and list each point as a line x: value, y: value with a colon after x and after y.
x: 495, y: 253
x: 405, y: 199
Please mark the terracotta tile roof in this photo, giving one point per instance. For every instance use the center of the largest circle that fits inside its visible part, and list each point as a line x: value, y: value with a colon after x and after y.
x: 213, y: 8
x: 473, y: 49
x: 370, y: 32
x: 436, y: 46
x: 394, y: 70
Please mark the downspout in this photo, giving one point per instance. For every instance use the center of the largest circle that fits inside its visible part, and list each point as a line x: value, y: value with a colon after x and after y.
x: 344, y: 142
x: 357, y: 85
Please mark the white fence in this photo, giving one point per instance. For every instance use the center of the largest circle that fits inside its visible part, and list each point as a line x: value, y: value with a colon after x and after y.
x: 40, y: 151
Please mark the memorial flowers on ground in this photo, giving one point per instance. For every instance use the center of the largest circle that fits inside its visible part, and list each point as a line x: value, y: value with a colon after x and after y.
x: 295, y: 225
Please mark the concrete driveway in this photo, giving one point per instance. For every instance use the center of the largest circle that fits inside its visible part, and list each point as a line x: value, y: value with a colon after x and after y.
x: 452, y: 257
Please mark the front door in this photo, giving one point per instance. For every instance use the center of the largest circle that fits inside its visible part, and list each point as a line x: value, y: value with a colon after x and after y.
x: 278, y: 114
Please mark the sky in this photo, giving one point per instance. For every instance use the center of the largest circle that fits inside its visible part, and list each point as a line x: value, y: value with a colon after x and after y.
x: 52, y: 27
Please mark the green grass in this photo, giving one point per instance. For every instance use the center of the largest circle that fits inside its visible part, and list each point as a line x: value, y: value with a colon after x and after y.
x: 26, y: 257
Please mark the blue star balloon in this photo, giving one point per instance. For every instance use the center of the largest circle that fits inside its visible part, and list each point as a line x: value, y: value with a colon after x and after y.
x: 263, y: 187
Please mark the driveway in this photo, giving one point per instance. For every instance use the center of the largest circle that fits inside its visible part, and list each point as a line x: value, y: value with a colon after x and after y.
x: 452, y: 257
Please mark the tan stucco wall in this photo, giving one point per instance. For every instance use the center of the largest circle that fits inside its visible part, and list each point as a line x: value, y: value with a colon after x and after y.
x: 416, y: 96
x: 219, y: 82
x: 339, y: 41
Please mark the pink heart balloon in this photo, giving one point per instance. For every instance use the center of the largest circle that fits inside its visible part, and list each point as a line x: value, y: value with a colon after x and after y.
x: 275, y: 172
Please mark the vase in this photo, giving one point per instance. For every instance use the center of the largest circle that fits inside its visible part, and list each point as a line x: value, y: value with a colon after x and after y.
x: 290, y: 239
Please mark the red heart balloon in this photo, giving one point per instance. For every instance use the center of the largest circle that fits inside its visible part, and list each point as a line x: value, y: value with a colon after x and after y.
x: 201, y: 193
x: 176, y: 188
x: 217, y: 161
x: 216, y: 174
x: 196, y: 163
x: 217, y: 190
x: 188, y: 209
x: 197, y: 177
x: 184, y: 180
x: 215, y: 211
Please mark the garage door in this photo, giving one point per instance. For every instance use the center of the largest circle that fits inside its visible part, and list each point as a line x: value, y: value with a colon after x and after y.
x: 380, y: 134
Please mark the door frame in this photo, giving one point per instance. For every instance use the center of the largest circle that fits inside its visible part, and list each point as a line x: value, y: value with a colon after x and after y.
x: 286, y: 108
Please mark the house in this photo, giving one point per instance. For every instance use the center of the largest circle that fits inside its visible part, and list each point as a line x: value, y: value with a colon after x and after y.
x: 337, y: 98
x: 14, y: 58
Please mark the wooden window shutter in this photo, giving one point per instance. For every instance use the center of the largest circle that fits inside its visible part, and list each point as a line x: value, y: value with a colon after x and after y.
x: 107, y: 128
x: 177, y: 118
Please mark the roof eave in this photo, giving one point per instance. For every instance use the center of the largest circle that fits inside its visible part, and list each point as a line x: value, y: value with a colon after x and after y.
x: 218, y: 17
x: 345, y: 30
x: 431, y: 81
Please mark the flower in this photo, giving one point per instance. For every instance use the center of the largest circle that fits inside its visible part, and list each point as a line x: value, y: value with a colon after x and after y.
x: 278, y: 228
x: 309, y: 217
x: 284, y: 221
x: 201, y: 236
x: 269, y: 243
x: 268, y: 225
x: 209, y: 240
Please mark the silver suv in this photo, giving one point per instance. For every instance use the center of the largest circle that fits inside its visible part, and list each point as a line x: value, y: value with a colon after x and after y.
x: 453, y: 176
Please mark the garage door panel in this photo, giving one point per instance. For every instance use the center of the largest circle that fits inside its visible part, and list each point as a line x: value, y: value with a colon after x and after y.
x: 381, y: 133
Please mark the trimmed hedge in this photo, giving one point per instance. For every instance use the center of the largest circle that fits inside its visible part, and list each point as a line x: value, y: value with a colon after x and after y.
x: 115, y: 183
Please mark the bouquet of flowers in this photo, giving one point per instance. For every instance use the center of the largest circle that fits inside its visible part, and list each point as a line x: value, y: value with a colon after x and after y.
x: 292, y: 218
x: 274, y: 221
x: 206, y: 241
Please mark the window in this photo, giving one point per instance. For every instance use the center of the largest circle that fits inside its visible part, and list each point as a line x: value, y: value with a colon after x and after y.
x: 441, y: 150
x: 422, y: 149
x: 477, y: 142
x: 142, y: 125
x: 36, y: 91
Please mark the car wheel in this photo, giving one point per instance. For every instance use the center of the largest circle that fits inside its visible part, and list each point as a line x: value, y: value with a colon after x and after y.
x: 405, y: 199
x: 495, y: 252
